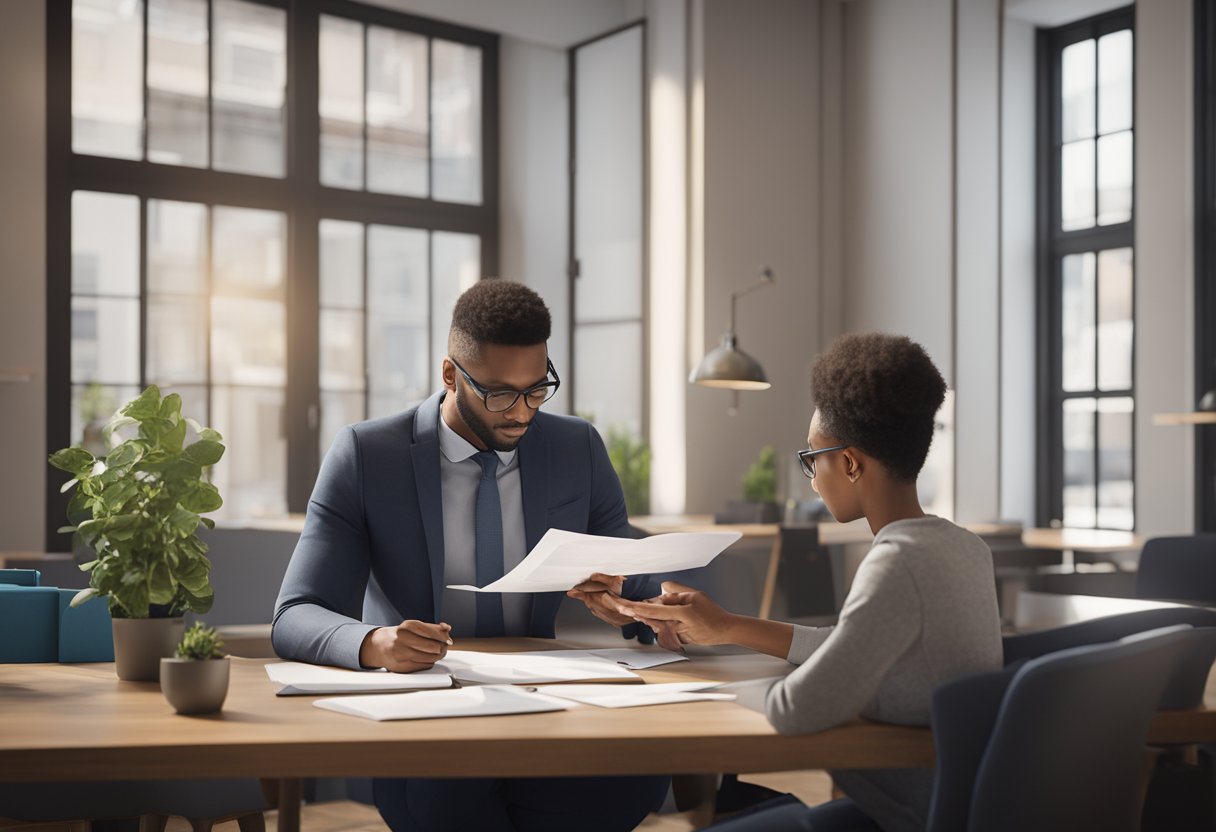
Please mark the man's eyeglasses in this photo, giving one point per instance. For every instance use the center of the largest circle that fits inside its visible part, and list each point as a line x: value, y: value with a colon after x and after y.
x: 807, y: 458
x: 498, y: 401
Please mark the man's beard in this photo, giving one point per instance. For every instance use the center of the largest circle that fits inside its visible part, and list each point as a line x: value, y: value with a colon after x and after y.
x: 480, y: 429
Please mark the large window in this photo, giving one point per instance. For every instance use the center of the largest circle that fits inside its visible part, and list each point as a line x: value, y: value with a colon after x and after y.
x: 266, y: 206
x: 1086, y: 297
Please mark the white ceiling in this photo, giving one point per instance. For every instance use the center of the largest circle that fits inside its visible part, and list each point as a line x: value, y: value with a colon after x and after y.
x: 1050, y: 13
x: 555, y: 23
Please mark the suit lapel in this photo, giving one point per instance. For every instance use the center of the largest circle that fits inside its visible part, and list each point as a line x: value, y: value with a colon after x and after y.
x: 425, y: 457
x: 534, y: 488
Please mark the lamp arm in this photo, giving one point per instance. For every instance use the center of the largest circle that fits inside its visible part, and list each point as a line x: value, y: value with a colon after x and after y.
x: 767, y: 278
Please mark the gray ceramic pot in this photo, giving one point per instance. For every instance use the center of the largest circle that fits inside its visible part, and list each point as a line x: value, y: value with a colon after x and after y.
x: 140, y: 644
x: 195, y: 686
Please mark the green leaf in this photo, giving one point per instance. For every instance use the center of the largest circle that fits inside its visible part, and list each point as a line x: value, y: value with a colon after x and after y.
x: 76, y: 461
x: 173, y: 438
x: 153, y: 429
x: 201, y: 499
x: 207, y: 521
x: 171, y: 406
x: 161, y: 586
x: 119, y: 527
x: 183, y: 471
x: 145, y: 406
x: 212, y: 435
x: 204, y: 452
x: 125, y: 454
x: 183, y: 522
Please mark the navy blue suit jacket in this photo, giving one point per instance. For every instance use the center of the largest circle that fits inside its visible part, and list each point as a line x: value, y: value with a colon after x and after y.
x: 371, y: 553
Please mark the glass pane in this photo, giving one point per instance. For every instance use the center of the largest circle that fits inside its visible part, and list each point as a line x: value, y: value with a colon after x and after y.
x: 1079, y: 486
x: 341, y: 264
x: 107, y: 78
x: 337, y: 411
x: 1077, y: 90
x: 105, y: 340
x: 1115, y: 81
x: 177, y: 247
x: 253, y: 482
x: 1115, y: 178
x: 456, y: 265
x: 1115, y: 486
x: 397, y: 304
x: 1077, y: 185
x: 177, y: 339
x: 456, y: 115
x: 1115, y: 328
x: 248, y: 250
x: 608, y: 357
x: 608, y: 198
x: 105, y: 244
x: 1077, y: 318
x: 341, y: 350
x: 249, y: 66
x: 92, y: 406
x: 177, y: 82
x: 341, y: 102
x: 248, y: 342
x: 396, y: 112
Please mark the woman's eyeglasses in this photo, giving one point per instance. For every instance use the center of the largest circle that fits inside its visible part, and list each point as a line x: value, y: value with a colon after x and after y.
x: 807, y: 458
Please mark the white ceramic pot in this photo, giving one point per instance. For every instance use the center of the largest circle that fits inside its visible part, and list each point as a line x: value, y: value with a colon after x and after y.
x: 140, y: 644
x: 195, y: 686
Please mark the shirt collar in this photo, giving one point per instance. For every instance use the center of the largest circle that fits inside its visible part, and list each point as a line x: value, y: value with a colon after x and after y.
x: 457, y: 449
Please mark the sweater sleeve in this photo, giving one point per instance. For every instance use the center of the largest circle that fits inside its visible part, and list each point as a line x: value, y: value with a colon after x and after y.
x: 881, y: 619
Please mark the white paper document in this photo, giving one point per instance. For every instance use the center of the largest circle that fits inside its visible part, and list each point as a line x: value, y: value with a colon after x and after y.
x: 489, y: 700
x: 296, y: 678
x: 638, y: 658
x: 633, y: 696
x: 532, y: 668
x: 562, y: 560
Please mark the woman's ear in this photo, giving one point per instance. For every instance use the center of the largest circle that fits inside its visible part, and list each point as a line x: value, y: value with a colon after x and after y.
x: 852, y: 464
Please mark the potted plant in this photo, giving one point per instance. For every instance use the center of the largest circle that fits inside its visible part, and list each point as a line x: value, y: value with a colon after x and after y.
x: 759, y: 503
x: 138, y: 509
x: 196, y: 680
x: 630, y: 458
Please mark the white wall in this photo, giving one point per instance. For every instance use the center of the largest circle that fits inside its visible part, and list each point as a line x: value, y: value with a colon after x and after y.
x: 535, y: 183
x: 977, y: 245
x: 1017, y: 465
x: 897, y: 172
x: 761, y: 207
x: 1164, y: 265
x: 23, y: 274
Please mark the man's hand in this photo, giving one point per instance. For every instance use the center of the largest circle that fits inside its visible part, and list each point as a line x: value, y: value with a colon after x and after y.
x: 599, y: 593
x: 411, y: 645
x: 681, y: 615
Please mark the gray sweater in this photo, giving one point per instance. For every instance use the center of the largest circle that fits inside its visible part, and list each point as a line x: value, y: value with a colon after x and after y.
x: 922, y: 611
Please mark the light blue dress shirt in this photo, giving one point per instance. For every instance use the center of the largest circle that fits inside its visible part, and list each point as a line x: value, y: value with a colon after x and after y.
x: 459, y: 476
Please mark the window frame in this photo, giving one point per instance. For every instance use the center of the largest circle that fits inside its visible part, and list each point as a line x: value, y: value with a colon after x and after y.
x: 1205, y: 257
x: 299, y: 195
x: 1052, y: 245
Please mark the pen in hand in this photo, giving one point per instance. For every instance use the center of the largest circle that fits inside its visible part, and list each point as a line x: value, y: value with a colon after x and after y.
x: 411, y: 645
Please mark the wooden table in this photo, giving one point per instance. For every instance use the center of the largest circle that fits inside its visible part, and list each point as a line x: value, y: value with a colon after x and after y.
x: 1073, y: 542
x: 79, y: 722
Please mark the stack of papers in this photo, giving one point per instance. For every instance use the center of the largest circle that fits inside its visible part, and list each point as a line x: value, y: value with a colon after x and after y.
x: 296, y: 678
x: 562, y: 560
x: 614, y: 696
x: 489, y: 700
x: 532, y: 668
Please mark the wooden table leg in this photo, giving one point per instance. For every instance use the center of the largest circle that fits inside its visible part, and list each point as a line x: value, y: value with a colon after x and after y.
x: 290, y: 795
x: 770, y: 580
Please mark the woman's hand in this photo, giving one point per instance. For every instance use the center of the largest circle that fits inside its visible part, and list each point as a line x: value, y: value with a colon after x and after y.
x: 681, y: 615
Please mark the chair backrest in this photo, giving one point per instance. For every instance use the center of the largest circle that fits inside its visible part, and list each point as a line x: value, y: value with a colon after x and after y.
x: 1178, y: 569
x: 1056, y: 742
x: 1186, y: 687
x: 804, y: 572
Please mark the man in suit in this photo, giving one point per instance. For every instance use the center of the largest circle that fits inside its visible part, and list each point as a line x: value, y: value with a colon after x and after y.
x: 456, y: 491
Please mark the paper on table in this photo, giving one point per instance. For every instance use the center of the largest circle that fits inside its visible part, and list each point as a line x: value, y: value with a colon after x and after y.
x: 638, y: 658
x: 531, y: 668
x: 614, y: 696
x: 490, y: 700
x: 297, y: 678
x: 563, y: 559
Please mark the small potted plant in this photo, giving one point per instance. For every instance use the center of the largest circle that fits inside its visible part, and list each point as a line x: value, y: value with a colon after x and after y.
x: 138, y: 509
x: 196, y: 680
x: 759, y: 503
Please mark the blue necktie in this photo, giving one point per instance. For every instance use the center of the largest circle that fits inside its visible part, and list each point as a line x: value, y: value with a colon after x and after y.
x: 488, y: 533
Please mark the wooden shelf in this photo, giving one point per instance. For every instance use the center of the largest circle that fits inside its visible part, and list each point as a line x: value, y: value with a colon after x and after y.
x: 1198, y: 417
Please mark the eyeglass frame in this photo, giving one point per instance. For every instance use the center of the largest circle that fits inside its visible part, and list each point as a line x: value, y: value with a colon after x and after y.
x: 485, y: 392
x: 807, y: 458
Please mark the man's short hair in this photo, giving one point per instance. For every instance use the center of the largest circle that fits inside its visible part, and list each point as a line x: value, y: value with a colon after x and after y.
x: 497, y: 311
x: 879, y: 393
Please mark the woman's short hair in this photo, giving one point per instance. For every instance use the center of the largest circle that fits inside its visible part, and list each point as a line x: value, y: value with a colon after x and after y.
x: 879, y: 393
x: 497, y: 311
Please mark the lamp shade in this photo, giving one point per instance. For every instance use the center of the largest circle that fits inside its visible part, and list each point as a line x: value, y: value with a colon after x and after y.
x: 729, y: 368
